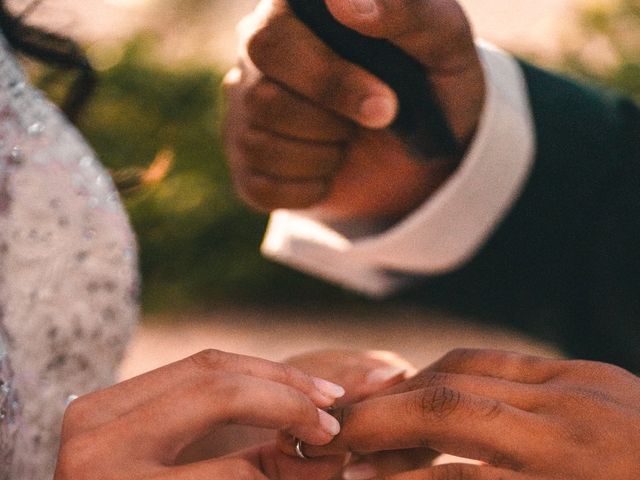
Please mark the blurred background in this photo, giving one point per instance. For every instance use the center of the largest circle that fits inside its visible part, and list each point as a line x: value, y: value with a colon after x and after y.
x: 155, y: 120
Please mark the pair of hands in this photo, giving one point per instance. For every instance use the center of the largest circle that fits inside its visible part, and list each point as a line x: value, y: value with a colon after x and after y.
x: 526, y: 418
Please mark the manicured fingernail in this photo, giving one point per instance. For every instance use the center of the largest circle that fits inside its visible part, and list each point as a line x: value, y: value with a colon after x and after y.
x: 364, y: 7
x: 359, y: 471
x: 385, y: 374
x: 377, y: 111
x: 329, y: 389
x: 329, y: 423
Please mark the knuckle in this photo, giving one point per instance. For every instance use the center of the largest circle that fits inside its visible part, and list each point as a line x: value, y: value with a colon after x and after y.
x: 253, y: 144
x: 532, y: 362
x: 77, y: 415
x: 262, y: 192
x: 337, y: 83
x: 438, y: 403
x: 292, y: 376
x: 269, y: 194
x: 493, y: 409
x: 459, y: 356
x: 435, y: 380
x: 260, y: 43
x: 580, y: 434
x: 210, y: 359
x: 262, y: 97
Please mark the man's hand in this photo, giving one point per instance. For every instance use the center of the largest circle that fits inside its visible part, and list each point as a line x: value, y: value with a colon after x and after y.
x: 528, y: 418
x: 138, y: 428
x: 306, y: 129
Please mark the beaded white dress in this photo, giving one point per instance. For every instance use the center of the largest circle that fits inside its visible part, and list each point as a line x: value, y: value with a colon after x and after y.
x: 68, y: 274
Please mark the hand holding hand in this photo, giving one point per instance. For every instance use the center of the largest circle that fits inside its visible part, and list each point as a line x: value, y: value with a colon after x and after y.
x: 528, y: 418
x: 138, y: 428
x: 306, y: 129
x: 364, y: 374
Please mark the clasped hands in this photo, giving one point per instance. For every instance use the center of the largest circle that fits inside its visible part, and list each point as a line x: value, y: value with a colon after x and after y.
x: 526, y: 418
x: 523, y: 417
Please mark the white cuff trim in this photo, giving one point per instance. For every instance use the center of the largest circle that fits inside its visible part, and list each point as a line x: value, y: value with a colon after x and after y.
x: 455, y: 222
x: 452, y: 225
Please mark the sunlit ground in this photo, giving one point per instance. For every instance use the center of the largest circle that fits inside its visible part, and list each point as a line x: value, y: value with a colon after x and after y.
x: 421, y: 337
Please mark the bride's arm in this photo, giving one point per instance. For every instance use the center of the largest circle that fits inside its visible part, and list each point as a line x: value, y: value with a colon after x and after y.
x: 138, y: 428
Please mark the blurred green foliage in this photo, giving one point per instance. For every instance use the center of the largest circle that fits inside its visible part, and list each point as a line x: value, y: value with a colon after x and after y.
x: 198, y: 244
x: 608, y: 50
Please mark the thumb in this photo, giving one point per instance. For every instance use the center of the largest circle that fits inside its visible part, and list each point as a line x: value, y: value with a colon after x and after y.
x: 437, y: 34
x: 434, y: 32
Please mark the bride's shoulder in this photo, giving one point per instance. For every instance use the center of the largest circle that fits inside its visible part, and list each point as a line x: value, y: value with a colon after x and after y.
x: 68, y: 272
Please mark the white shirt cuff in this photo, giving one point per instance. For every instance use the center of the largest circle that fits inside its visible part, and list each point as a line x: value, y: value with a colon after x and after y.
x: 451, y: 226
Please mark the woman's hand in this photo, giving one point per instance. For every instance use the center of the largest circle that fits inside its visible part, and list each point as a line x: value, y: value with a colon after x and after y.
x: 527, y: 418
x: 137, y: 429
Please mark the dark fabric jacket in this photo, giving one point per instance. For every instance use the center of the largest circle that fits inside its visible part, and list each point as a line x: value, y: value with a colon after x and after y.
x: 565, y: 263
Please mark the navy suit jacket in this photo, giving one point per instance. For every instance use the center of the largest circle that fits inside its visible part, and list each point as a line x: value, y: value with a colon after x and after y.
x: 565, y: 263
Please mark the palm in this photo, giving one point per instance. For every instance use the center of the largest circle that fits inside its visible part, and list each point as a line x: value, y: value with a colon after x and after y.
x: 380, y: 179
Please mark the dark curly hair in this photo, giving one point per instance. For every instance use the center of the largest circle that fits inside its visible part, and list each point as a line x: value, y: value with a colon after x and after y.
x: 52, y: 49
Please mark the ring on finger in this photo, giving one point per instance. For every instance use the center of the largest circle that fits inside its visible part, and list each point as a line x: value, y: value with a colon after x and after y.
x: 299, y: 451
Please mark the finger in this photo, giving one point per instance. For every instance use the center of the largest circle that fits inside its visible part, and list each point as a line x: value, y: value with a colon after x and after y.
x: 435, y: 32
x: 362, y: 373
x: 267, y: 193
x: 273, y: 108
x: 226, y: 468
x: 385, y: 464
x: 276, y: 465
x: 168, y: 423
x: 262, y: 191
x: 310, y: 68
x: 103, y: 406
x: 288, y: 159
x: 521, y: 396
x: 460, y: 471
x: 444, y: 420
x: 509, y: 366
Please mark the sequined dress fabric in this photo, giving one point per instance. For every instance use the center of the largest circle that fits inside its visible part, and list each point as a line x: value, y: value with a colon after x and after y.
x: 68, y: 274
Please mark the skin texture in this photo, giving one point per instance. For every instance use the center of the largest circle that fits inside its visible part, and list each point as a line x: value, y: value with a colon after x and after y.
x: 365, y: 374
x: 527, y: 418
x: 361, y: 373
x: 307, y: 130
x: 138, y: 428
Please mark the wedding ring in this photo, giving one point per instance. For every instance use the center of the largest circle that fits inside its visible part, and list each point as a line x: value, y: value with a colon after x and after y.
x: 299, y: 451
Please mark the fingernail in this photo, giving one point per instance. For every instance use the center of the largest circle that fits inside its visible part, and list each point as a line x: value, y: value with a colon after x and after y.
x: 377, y: 111
x: 364, y: 7
x: 385, y: 374
x: 329, y: 423
x: 329, y: 389
x: 359, y: 471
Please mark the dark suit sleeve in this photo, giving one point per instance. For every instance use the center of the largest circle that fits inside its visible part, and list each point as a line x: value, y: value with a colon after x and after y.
x: 565, y: 263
